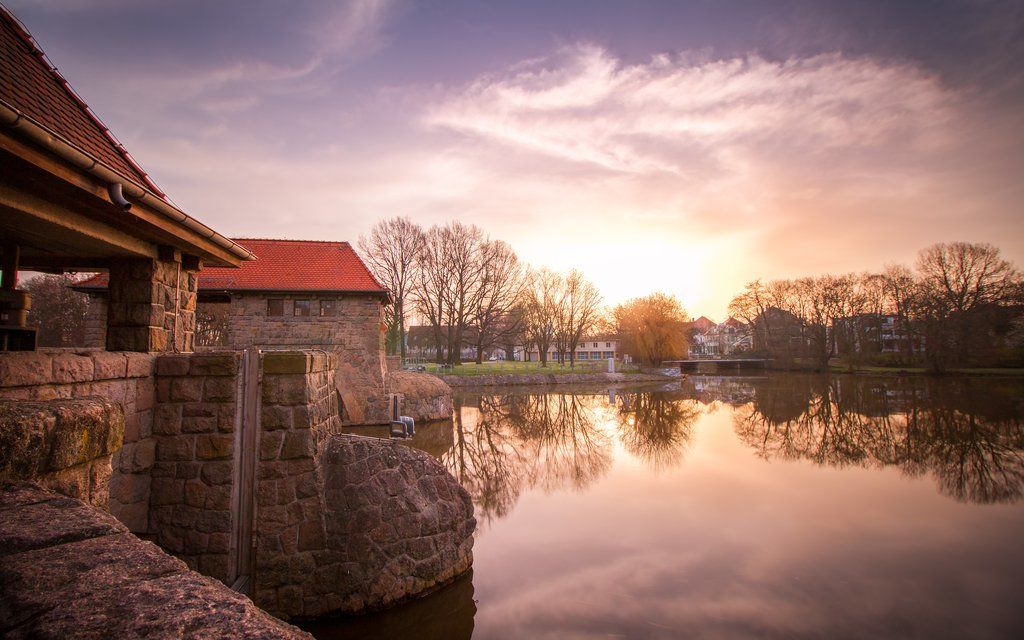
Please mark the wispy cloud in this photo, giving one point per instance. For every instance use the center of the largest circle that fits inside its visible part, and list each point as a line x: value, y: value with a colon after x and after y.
x: 585, y: 105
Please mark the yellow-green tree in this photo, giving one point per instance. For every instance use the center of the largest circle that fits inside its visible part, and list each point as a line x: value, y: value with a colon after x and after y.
x: 653, y: 329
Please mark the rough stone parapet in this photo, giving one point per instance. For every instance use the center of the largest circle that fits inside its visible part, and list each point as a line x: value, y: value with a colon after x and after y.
x: 70, y: 571
x: 361, y: 523
x: 399, y: 523
x: 65, y: 445
x: 122, y: 377
x: 424, y: 397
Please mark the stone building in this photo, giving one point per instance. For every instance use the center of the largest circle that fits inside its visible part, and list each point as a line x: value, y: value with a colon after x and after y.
x: 233, y: 461
x: 299, y: 294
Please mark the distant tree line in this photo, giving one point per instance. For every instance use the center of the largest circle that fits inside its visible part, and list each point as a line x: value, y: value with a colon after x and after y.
x: 472, y: 289
x: 961, y: 305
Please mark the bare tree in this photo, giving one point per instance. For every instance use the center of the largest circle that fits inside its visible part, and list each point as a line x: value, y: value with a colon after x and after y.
x: 578, y: 314
x: 959, y: 284
x: 450, y: 270
x: 499, y: 290
x: 430, y: 287
x: 392, y: 252
x: 543, y: 299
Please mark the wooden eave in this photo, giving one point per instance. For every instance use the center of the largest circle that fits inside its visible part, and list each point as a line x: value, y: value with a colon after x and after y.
x: 63, y: 218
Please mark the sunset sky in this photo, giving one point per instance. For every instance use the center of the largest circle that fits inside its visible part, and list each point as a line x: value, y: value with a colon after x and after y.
x: 679, y: 146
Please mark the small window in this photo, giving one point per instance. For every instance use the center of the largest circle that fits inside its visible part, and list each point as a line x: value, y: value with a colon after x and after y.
x: 595, y: 344
x: 607, y: 344
x: 328, y: 307
x: 301, y: 308
x: 275, y: 307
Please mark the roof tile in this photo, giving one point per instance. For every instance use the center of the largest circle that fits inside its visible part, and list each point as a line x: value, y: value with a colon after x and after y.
x: 286, y: 265
x: 31, y: 85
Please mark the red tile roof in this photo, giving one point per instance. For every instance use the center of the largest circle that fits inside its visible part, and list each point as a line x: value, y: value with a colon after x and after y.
x: 285, y: 266
x: 31, y: 85
x: 703, y: 323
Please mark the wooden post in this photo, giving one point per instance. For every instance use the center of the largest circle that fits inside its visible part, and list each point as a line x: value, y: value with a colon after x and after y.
x: 12, y: 253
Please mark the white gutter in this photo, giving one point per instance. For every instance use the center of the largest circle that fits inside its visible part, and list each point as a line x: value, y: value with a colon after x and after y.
x: 55, y: 143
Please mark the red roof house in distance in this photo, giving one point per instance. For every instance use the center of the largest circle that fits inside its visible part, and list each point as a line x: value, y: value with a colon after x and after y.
x: 296, y: 294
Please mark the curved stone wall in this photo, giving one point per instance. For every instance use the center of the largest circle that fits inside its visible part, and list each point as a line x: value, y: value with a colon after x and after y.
x: 403, y: 525
x: 424, y: 397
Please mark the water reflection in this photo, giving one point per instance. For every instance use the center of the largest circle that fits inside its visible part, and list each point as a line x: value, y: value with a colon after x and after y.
x: 966, y: 434
x: 506, y: 444
x: 445, y: 615
x: 734, y: 507
x: 656, y: 427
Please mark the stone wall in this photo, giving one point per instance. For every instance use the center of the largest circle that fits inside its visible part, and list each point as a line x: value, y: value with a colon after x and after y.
x: 354, y: 334
x: 151, y: 304
x: 345, y: 523
x: 96, y: 323
x: 398, y: 524
x: 422, y: 396
x: 64, y: 445
x: 355, y: 326
x: 190, y: 513
x: 123, y: 378
x: 298, y: 409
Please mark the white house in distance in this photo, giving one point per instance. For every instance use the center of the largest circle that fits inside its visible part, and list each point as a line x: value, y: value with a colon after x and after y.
x: 600, y: 347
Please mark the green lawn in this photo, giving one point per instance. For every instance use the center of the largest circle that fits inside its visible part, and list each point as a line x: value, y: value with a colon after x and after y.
x: 503, y: 366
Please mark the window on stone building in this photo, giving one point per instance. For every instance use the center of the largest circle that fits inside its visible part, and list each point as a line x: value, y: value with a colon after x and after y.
x: 275, y: 307
x: 328, y: 307
x: 301, y: 308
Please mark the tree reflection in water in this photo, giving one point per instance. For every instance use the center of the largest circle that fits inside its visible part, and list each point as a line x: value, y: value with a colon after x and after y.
x: 507, y: 444
x: 656, y: 427
x: 966, y: 433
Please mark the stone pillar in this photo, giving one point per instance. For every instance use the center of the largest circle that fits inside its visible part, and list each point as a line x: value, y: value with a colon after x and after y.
x: 152, y: 303
x: 96, y: 322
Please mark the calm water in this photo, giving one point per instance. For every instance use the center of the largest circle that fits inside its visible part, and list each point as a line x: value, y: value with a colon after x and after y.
x: 722, y: 507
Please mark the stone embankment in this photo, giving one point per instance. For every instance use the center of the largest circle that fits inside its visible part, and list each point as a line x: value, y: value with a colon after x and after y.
x: 424, y: 397
x: 397, y: 523
x: 69, y: 570
x: 549, y: 378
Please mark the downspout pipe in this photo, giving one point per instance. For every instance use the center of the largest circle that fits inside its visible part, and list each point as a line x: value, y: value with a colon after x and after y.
x: 125, y: 186
x: 117, y: 197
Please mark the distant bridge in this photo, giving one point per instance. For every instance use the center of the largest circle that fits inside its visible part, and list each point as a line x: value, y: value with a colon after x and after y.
x: 736, y: 364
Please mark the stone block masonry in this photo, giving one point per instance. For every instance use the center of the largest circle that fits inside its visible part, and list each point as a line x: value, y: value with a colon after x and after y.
x: 190, y: 513
x: 341, y: 523
x: 65, y: 445
x: 151, y: 304
x: 299, y: 409
x: 345, y: 523
x: 125, y: 379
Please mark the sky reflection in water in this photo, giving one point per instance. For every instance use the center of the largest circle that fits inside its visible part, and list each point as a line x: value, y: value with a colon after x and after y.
x: 782, y: 506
